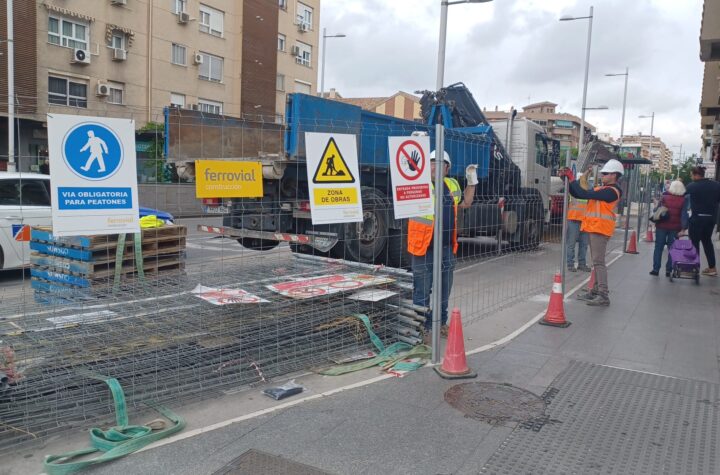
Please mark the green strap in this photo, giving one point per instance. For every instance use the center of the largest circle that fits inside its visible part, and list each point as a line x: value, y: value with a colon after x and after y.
x: 138, y: 256
x: 117, y: 441
x: 368, y: 326
x: 119, y: 254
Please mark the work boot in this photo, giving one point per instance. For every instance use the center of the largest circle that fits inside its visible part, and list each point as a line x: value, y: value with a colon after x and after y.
x: 584, y: 268
x: 654, y: 272
x: 571, y: 268
x: 710, y: 272
x: 586, y: 295
x: 598, y: 301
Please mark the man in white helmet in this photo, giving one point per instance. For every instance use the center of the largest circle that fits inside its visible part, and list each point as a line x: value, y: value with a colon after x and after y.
x: 420, y: 241
x: 599, y: 223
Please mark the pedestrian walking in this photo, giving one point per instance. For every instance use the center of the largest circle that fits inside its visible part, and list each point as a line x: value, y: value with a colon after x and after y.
x: 671, y: 218
x: 420, y: 242
x: 599, y: 223
x: 704, y: 202
x: 575, y: 215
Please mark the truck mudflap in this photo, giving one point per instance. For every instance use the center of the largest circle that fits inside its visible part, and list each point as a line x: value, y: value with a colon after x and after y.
x: 321, y: 241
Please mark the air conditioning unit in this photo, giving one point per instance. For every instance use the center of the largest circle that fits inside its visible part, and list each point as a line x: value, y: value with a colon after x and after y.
x: 303, y: 27
x: 183, y: 17
x: 118, y: 2
x: 198, y: 59
x: 119, y: 54
x: 103, y: 89
x: 295, y: 51
x: 80, y: 56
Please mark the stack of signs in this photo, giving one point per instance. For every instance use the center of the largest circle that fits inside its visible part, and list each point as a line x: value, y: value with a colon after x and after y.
x: 327, y: 284
x: 226, y: 296
x: 93, y: 176
x: 333, y: 178
x: 410, y: 174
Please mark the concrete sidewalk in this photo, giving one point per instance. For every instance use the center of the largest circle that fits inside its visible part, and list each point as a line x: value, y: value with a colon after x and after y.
x: 658, y: 414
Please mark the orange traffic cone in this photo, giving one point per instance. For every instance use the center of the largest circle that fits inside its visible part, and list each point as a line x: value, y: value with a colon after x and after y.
x: 454, y: 365
x: 591, y: 282
x: 649, y: 235
x: 632, y: 244
x: 555, y: 315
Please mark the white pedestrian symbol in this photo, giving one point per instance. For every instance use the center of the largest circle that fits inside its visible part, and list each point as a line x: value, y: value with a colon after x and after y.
x: 97, y: 148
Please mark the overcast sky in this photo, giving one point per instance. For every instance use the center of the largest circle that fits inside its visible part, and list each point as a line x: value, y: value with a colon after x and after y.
x: 514, y: 52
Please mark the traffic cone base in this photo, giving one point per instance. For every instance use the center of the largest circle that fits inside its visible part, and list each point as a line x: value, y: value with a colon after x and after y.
x: 555, y: 315
x: 632, y: 244
x: 649, y: 236
x: 454, y: 365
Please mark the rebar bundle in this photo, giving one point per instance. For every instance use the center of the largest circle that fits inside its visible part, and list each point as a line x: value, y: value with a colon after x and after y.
x: 163, y: 343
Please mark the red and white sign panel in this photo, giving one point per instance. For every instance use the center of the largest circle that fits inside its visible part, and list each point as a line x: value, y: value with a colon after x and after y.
x: 410, y: 174
x: 226, y: 296
x: 327, y: 284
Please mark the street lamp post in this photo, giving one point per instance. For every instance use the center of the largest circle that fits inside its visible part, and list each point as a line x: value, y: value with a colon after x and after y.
x: 622, y: 119
x: 11, y: 167
x: 585, y: 82
x: 322, y: 69
x: 647, y: 177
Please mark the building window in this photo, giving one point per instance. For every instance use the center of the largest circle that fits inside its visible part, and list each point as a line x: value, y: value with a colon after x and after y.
x: 282, y: 4
x: 281, y: 42
x: 180, y: 6
x: 303, y: 87
x: 211, y: 107
x: 116, y: 93
x: 211, y: 20
x: 66, y: 92
x: 211, y: 68
x: 179, y: 54
x: 71, y: 34
x: 177, y: 100
x: 117, y: 40
x: 304, y: 15
x: 304, y: 56
x: 280, y: 82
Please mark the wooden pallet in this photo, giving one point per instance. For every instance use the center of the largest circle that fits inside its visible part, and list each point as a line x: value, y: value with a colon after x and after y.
x: 99, y: 270
x: 44, y: 235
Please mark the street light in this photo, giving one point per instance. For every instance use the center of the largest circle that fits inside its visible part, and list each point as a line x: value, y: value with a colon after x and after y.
x: 598, y: 108
x: 587, y: 70
x: 322, y: 73
x: 647, y: 177
x: 622, y: 120
x: 444, y: 4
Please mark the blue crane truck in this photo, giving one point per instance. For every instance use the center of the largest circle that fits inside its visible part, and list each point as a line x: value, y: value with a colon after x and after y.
x: 507, y: 206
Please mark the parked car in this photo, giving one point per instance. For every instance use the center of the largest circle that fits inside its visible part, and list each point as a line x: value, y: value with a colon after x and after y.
x: 24, y: 203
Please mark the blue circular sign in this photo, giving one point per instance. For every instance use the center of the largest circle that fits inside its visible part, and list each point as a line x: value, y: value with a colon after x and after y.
x: 92, y: 151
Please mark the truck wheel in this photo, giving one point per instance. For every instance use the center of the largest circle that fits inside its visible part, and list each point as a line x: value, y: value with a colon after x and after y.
x: 397, y: 253
x: 366, y: 241
x: 257, y: 244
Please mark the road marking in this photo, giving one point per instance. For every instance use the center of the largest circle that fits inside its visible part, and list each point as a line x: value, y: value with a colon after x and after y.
x: 359, y: 384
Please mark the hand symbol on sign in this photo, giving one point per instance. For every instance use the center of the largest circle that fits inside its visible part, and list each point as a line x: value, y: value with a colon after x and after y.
x: 414, y: 161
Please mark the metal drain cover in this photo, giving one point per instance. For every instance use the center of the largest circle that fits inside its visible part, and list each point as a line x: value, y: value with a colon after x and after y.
x: 495, y: 403
x: 255, y: 462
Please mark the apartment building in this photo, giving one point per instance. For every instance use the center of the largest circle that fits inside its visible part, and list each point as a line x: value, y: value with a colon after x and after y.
x: 298, y: 37
x: 659, y: 153
x: 401, y: 104
x: 710, y: 96
x: 560, y: 126
x: 133, y: 58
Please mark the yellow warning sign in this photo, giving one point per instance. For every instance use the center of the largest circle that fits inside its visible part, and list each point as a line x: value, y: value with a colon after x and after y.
x: 335, y: 196
x: 332, y: 167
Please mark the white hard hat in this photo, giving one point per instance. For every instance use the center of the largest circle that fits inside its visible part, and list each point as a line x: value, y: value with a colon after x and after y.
x: 446, y: 157
x: 613, y: 166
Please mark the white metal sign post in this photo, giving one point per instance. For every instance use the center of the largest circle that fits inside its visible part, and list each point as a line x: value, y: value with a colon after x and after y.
x: 410, y: 174
x: 333, y: 178
x: 93, y: 175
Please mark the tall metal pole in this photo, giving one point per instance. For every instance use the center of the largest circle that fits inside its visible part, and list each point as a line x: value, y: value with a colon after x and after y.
x: 441, y: 48
x: 436, y: 300
x: 322, y: 69
x: 563, y: 242
x: 585, y: 85
x: 11, y: 167
x: 628, y: 202
x: 641, y: 202
x: 622, y: 120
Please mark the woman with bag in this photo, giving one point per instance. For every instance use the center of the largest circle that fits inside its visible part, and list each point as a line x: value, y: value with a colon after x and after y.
x: 670, y: 217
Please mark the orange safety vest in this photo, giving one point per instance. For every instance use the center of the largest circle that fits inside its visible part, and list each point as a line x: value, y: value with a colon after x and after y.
x: 576, y: 209
x: 420, y: 228
x: 600, y: 215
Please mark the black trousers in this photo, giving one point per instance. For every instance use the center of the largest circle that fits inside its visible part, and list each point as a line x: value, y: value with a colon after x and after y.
x: 701, y: 229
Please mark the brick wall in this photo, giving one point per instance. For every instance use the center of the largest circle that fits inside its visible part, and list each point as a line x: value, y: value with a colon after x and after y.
x: 25, y: 29
x: 259, y: 57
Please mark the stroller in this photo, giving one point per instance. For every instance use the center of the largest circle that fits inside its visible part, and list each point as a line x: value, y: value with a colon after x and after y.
x: 685, y: 260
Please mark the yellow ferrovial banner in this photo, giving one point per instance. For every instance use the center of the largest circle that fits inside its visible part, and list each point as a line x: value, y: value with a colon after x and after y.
x: 224, y: 179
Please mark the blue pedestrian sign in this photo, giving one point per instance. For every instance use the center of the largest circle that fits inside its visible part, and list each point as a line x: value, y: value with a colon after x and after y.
x: 93, y: 175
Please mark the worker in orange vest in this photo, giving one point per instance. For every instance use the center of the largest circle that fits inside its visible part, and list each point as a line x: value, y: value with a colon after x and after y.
x: 575, y: 215
x: 599, y: 223
x: 420, y: 242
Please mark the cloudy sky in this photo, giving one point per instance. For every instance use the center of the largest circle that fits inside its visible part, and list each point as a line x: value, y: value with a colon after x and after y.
x: 514, y: 52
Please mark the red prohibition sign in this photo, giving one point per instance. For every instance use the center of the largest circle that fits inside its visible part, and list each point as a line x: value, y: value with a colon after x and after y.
x: 416, y: 169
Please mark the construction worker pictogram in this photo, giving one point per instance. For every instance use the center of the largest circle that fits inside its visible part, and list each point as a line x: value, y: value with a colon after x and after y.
x: 332, y: 167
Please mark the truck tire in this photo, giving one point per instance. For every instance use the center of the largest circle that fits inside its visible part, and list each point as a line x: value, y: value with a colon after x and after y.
x: 397, y: 253
x: 257, y: 244
x: 366, y: 241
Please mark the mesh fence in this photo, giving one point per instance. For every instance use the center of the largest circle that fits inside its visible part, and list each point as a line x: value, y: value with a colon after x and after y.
x: 242, y: 290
